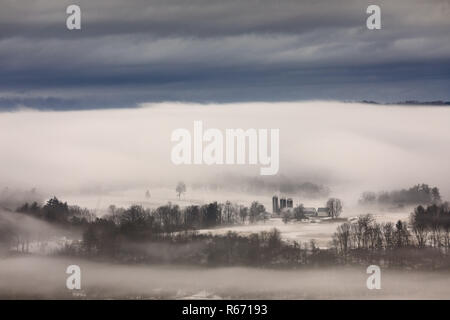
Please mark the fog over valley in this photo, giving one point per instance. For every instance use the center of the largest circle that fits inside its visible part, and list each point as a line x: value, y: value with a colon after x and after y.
x: 45, y: 278
x: 326, y: 148
x: 211, y: 149
x: 98, y: 189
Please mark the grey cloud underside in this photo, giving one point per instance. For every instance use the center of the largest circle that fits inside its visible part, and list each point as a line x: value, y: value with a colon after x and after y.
x: 136, y: 51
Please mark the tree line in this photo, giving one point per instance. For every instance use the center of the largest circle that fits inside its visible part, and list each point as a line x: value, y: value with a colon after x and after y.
x: 421, y: 194
x: 56, y: 211
x: 425, y: 239
x: 167, y: 234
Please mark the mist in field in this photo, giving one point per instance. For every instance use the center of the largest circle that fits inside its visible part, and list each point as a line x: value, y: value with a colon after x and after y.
x: 45, y: 278
x: 101, y: 157
x: 32, y: 235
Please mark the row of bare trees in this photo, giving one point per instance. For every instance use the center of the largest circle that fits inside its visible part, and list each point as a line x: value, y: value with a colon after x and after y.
x: 137, y: 225
x: 170, y: 217
x: 431, y: 226
x: 367, y: 234
x: 428, y: 229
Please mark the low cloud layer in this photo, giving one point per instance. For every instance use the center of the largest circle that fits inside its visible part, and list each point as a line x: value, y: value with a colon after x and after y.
x: 349, y: 148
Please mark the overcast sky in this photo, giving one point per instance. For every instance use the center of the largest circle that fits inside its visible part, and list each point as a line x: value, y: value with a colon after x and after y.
x: 136, y: 51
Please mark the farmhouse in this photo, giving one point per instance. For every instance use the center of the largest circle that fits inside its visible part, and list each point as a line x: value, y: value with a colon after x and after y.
x: 310, y: 212
x: 323, y: 212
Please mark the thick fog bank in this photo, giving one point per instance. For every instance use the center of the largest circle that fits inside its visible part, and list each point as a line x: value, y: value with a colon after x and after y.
x: 342, y: 149
x: 46, y: 278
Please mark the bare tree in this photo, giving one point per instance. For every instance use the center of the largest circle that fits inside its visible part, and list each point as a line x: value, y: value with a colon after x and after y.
x: 257, y: 212
x: 388, y: 234
x: 286, y: 216
x: 419, y: 226
x: 299, y: 212
x: 342, y: 237
x: 335, y: 207
x: 181, y: 188
x: 243, y: 213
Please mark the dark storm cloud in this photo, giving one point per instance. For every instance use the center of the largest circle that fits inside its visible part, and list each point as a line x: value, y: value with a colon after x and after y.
x: 209, y: 50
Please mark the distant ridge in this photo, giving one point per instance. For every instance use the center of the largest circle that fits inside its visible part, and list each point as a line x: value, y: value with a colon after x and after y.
x: 412, y: 103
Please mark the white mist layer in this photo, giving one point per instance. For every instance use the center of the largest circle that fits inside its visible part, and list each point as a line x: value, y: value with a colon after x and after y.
x: 45, y: 278
x: 348, y: 147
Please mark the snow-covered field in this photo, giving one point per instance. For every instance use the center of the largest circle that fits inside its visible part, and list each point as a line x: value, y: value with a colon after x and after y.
x: 293, y: 231
x: 320, y: 231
